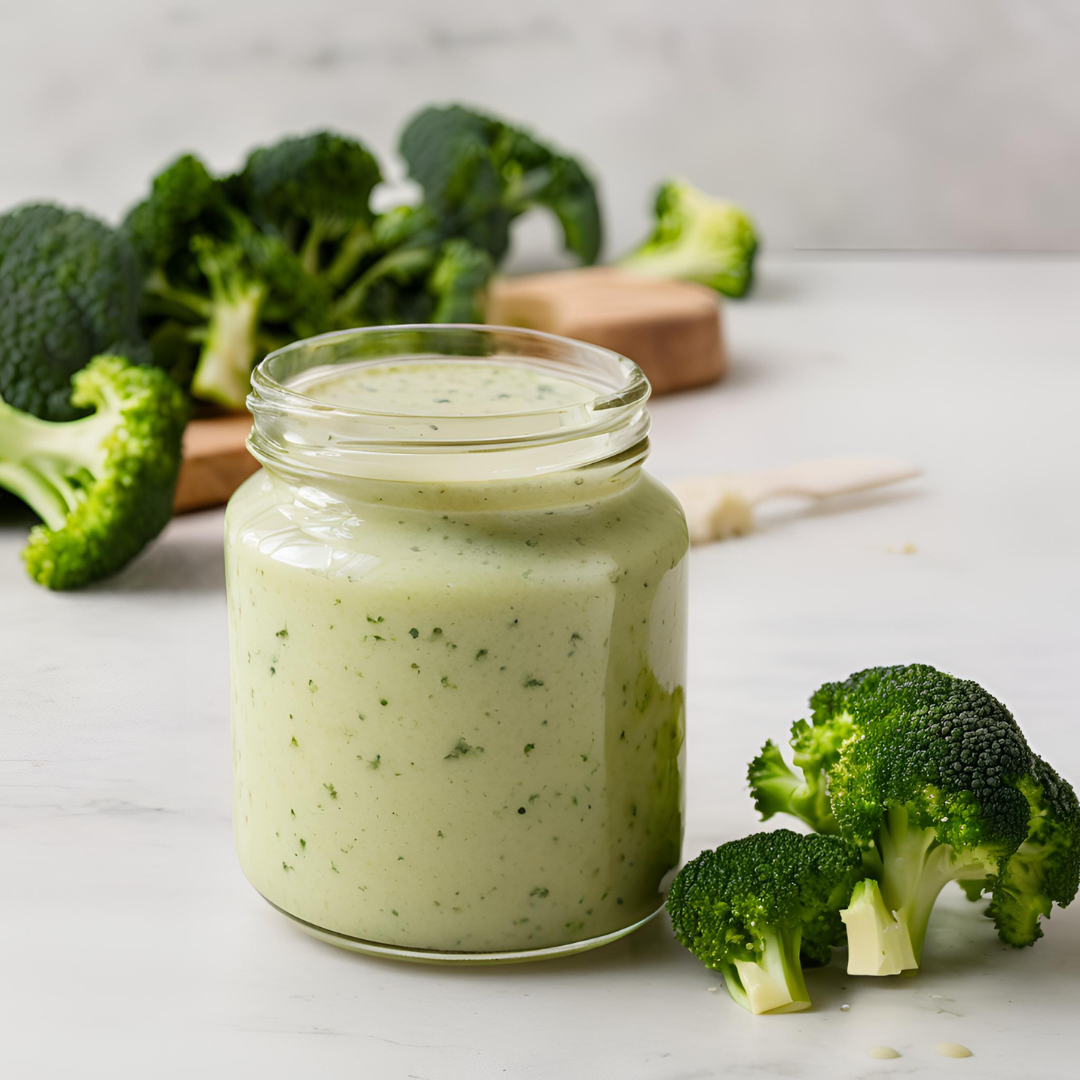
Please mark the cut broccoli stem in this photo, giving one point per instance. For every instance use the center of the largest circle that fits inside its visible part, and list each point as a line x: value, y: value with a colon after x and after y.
x: 772, y: 983
x: 223, y: 373
x: 914, y: 868
x: 877, y: 943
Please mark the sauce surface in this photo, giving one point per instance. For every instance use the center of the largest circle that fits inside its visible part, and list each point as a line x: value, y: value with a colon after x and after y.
x: 435, y: 387
x: 459, y: 729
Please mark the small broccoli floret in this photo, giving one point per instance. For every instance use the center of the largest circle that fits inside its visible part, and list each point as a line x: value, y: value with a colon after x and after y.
x: 777, y: 788
x: 103, y: 485
x: 315, y: 191
x: 479, y: 173
x: 754, y: 907
x: 937, y: 784
x: 219, y: 292
x: 697, y: 238
x: 458, y: 281
x: 69, y: 289
x: 1045, y: 869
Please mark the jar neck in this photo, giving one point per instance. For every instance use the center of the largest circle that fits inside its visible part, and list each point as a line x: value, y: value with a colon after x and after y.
x: 541, y: 448
x: 583, y: 486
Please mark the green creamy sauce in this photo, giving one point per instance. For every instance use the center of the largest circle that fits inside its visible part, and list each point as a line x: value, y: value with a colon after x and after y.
x: 443, y: 388
x: 459, y: 729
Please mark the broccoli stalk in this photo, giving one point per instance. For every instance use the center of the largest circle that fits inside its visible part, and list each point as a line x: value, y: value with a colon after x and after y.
x: 223, y: 373
x: 102, y: 485
x: 912, y: 867
x: 759, y: 908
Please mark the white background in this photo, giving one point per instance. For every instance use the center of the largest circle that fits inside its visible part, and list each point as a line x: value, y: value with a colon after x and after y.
x: 839, y: 123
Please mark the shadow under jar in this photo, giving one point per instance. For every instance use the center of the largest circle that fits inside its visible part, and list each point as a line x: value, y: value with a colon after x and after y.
x: 457, y: 612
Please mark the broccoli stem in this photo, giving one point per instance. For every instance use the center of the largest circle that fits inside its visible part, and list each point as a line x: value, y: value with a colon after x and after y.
x: 773, y: 983
x: 358, y: 242
x: 914, y: 868
x: 877, y: 943
x: 312, y: 246
x: 223, y: 373
x: 159, y: 293
x: 400, y: 265
x: 46, y: 464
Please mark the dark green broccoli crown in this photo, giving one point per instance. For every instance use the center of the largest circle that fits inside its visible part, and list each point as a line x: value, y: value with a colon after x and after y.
x: 479, y: 173
x: 724, y: 900
x: 122, y: 463
x: 942, y: 747
x: 69, y: 289
x: 184, y: 201
x: 307, y: 177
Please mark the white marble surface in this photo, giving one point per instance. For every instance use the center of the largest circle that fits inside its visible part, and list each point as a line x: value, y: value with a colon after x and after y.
x: 840, y: 123
x: 131, y: 946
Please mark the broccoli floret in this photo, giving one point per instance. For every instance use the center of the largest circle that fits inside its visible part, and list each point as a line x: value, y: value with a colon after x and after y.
x: 479, y: 173
x: 1045, y: 869
x: 219, y: 292
x: 697, y: 238
x: 756, y: 909
x: 102, y: 485
x: 777, y: 788
x: 419, y: 285
x: 315, y: 191
x: 458, y: 281
x: 938, y: 784
x: 69, y: 289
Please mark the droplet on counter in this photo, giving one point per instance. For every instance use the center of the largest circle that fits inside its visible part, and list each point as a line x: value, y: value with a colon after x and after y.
x: 844, y: 1008
x: 884, y: 1052
x: 951, y: 1049
x: 711, y: 989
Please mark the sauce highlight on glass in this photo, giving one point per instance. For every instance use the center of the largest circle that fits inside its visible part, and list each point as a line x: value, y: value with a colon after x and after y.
x: 457, y: 613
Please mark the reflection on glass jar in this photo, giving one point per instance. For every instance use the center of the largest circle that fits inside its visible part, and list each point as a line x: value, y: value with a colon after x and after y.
x: 457, y: 610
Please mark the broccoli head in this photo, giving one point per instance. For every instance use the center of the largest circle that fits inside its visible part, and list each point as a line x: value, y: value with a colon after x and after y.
x: 219, y: 292
x: 315, y: 191
x: 697, y: 238
x: 69, y: 289
x: 937, y: 783
x: 103, y: 484
x: 756, y: 909
x: 479, y: 173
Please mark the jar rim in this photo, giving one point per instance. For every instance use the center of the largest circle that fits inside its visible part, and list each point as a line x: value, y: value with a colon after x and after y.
x: 295, y: 431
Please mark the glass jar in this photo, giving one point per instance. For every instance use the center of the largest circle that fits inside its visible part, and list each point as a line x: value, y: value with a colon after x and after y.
x: 457, y: 614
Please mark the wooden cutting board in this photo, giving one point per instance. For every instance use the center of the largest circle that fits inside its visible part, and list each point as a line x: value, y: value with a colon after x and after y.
x: 671, y: 329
